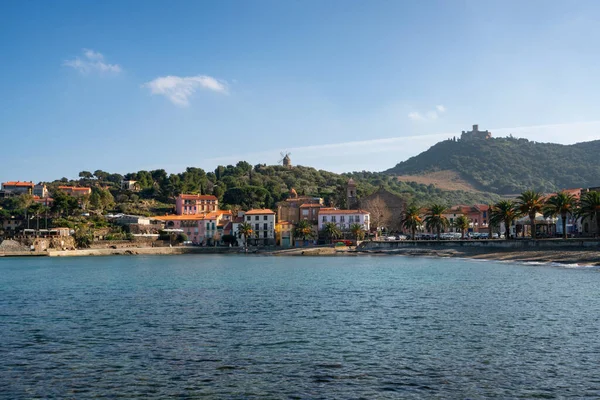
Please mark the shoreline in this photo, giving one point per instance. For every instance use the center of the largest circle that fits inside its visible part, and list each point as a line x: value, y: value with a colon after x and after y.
x: 583, y: 257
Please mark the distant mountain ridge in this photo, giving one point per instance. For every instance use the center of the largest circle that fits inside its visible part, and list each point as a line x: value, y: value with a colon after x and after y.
x: 510, y: 165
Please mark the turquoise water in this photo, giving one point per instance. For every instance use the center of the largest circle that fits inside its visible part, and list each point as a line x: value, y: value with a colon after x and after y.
x: 296, y: 327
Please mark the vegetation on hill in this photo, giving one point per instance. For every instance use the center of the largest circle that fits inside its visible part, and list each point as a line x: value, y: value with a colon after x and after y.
x: 245, y: 186
x: 510, y: 165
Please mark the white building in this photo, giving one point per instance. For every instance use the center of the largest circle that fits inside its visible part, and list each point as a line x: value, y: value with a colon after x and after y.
x: 344, y: 219
x: 263, y: 226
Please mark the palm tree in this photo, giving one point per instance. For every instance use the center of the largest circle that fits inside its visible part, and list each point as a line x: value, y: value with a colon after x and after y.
x: 303, y: 229
x: 504, y: 211
x: 435, y: 218
x: 563, y: 204
x: 411, y: 219
x: 246, y: 230
x: 332, y: 231
x: 462, y: 223
x: 357, y: 231
x: 589, y: 206
x: 530, y: 203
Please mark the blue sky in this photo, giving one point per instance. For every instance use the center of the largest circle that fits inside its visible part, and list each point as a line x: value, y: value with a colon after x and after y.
x: 344, y: 85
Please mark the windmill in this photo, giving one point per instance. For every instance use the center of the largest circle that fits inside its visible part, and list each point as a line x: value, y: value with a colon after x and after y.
x: 285, y: 159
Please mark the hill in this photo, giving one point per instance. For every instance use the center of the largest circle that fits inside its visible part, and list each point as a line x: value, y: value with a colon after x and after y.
x: 246, y: 186
x: 508, y: 165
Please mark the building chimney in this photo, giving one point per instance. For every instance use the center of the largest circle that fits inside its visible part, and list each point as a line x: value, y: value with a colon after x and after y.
x: 475, y: 128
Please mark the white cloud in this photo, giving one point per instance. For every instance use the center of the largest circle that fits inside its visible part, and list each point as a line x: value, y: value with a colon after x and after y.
x: 429, y: 115
x: 415, y: 116
x: 90, y: 62
x: 179, y: 89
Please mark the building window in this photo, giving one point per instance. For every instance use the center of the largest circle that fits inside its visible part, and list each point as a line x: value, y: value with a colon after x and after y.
x: 265, y: 217
x: 351, y: 219
x: 256, y: 227
x: 342, y: 219
x: 333, y: 218
x: 256, y: 218
x: 266, y: 234
x: 324, y: 218
x: 248, y: 218
x: 265, y: 226
x: 305, y: 213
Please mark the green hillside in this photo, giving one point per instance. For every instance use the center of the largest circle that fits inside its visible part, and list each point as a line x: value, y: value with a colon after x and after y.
x: 511, y: 165
x: 246, y: 186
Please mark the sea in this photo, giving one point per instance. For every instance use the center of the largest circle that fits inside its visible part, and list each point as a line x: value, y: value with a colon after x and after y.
x: 256, y: 327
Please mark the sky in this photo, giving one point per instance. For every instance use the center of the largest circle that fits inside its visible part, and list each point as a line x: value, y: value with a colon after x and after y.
x: 343, y: 85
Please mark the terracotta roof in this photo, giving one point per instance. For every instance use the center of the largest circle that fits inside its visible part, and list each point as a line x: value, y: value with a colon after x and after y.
x: 197, y: 197
x: 18, y: 183
x: 331, y: 211
x: 215, y: 214
x: 260, y: 212
x: 309, y: 205
x: 191, y: 217
x: 285, y: 223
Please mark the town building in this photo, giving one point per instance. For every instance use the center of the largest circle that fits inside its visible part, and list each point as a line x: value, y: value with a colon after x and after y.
x: 235, y: 227
x: 17, y: 187
x: 191, y: 225
x: 132, y: 186
x: 263, y: 226
x: 126, y: 219
x: 75, y: 191
x: 40, y: 190
x: 475, y: 134
x: 284, y: 234
x: 352, y: 196
x: 290, y: 209
x: 217, y: 224
x: 45, y: 201
x: 344, y: 219
x: 192, y: 204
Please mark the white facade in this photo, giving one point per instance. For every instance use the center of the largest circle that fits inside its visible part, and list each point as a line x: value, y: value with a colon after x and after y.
x: 263, y: 225
x: 344, y: 219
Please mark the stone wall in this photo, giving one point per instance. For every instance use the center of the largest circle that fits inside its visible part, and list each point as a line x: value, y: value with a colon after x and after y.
x: 491, y: 244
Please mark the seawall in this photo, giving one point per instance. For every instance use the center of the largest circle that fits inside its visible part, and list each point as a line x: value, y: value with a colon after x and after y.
x: 517, y: 244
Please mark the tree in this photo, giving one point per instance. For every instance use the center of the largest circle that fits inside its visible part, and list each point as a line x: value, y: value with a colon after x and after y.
x: 303, y: 229
x: 563, y: 204
x: 83, y: 236
x: 332, y: 231
x: 357, y: 231
x: 380, y: 213
x: 462, y: 223
x: 246, y: 230
x: 435, y: 219
x: 530, y: 203
x: 86, y: 175
x: 412, y: 220
x: 589, y: 207
x: 504, y: 211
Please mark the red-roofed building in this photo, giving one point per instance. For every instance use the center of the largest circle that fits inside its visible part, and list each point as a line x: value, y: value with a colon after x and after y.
x: 75, y: 191
x: 190, y: 204
x: 17, y: 187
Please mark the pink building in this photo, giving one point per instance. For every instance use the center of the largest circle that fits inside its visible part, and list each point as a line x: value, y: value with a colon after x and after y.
x: 204, y: 228
x: 193, y: 204
x: 192, y: 225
